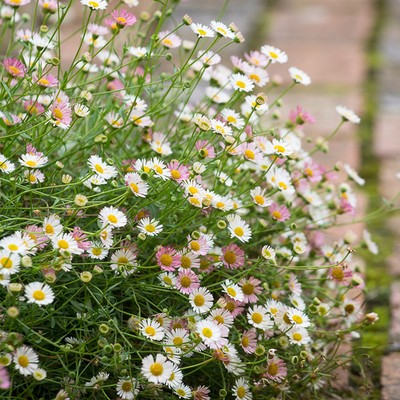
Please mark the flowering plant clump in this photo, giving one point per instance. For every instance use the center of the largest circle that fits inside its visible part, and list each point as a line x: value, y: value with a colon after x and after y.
x: 162, y: 229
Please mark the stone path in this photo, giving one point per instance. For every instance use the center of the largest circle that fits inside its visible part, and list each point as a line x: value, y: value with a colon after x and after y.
x: 387, y: 149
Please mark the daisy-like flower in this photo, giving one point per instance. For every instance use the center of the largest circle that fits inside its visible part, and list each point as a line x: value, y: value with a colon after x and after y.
x: 33, y: 107
x: 96, y: 251
x: 232, y: 256
x: 39, y: 374
x: 298, y: 318
x: 222, y: 30
x: 81, y: 110
x: 169, y: 40
x: 199, y: 246
x: 188, y: 260
x: 34, y: 176
x: 341, y: 275
x: 268, y: 252
x: 259, y: 197
x: 33, y: 160
x: 138, y: 52
x: 127, y: 388
x: 348, y: 115
x: 241, y: 390
x: 179, y: 172
x: 123, y: 18
x: 233, y: 118
x: 210, y: 333
x: 150, y: 227
x: 14, y: 67
x: 160, y: 169
x: 202, y: 30
x: 257, y: 58
x: 371, y: 245
x: 221, y: 128
x: 175, y: 378
x: 221, y: 317
x: 152, y: 329
x: 239, y: 228
x: 233, y: 290
x: 279, y: 212
x: 138, y: 187
x: 251, y: 152
x: 26, y: 360
x: 167, y: 258
x: 95, y: 5
x: 201, y: 300
x: 353, y: 175
x: 183, y: 391
x: 274, y: 54
x: 281, y: 147
x: 299, y: 76
x: 156, y: 370
x: 251, y: 288
x: 9, y: 262
x: 248, y: 341
x: 6, y: 165
x: 100, y: 378
x: 66, y: 243
x: 167, y: 279
x: 14, y: 243
x: 61, y: 114
x: 112, y: 216
x: 39, y: 293
x: 209, y: 58
x: 298, y: 336
x: 46, y: 81
x: 101, y: 168
x: 52, y: 225
x: 241, y: 82
x: 106, y: 236
x: 123, y: 262
x: 187, y: 281
x: 276, y: 369
x: 259, y: 318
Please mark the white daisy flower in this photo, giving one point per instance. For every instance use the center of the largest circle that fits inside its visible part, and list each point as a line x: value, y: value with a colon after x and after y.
x: 183, y: 391
x: 209, y: 332
x: 31, y: 160
x: 150, y: 227
x: 259, y: 197
x: 175, y: 378
x: 202, y: 30
x: 95, y: 5
x: 65, y: 242
x: 299, y: 76
x: 127, y: 388
x: 6, y: 166
x: 97, y: 252
x: 26, y: 360
x: 138, y: 52
x: 222, y: 29
x: 233, y: 290
x: 268, y: 252
x: 371, y: 245
x: 9, y: 262
x: 39, y: 293
x: 298, y: 318
x: 156, y: 370
x: 81, y: 110
x: 52, y: 225
x: 274, y: 54
x: 123, y: 262
x: 14, y: 243
x: 201, y: 300
x: 259, y: 318
x: 34, y: 177
x: 167, y: 279
x: 298, y: 336
x: 112, y: 216
x: 101, y: 168
x: 241, y: 82
x: 221, y: 128
x: 353, y: 175
x: 232, y: 118
x: 217, y: 95
x: 241, y: 390
x: 39, y: 374
x: 152, y: 329
x: 239, y: 229
x: 160, y: 169
x: 106, y: 236
x: 348, y: 115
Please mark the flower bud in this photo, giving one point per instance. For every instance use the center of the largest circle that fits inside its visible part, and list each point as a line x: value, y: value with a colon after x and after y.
x: 104, y: 329
x: 86, y: 57
x: 81, y: 200
x: 223, y: 393
x: 66, y: 179
x: 141, y: 236
x: 13, y: 312
x: 26, y: 261
x: 195, y: 235
x: 187, y: 19
x: 221, y: 224
x: 117, y: 348
x: 15, y: 288
x: 86, y: 276
x: 44, y: 29
x: 144, y: 16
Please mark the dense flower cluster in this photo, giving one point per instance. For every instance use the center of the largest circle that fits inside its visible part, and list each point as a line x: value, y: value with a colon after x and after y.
x: 163, y: 227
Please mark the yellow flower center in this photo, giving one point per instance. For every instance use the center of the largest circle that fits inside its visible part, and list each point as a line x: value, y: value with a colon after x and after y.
x: 49, y: 229
x: 150, y: 330
x: 63, y: 244
x: 219, y: 318
x: 349, y: 308
x: 177, y: 341
x: 221, y: 30
x: 249, y: 154
x: 241, y: 392
x: 199, y: 300
x: 230, y: 257
x: 150, y: 228
x: 272, y: 369
x: 6, y: 262
x: 32, y: 178
x: 259, y: 199
x: 297, y: 336
x: 238, y: 231
x: 277, y: 214
x: 31, y: 163
x: 112, y: 219
x: 338, y: 273
x: 126, y: 387
x: 248, y: 289
x: 23, y: 361
x: 96, y: 251
x: 202, y: 32
x: 240, y: 84
x: 93, y: 4
x: 57, y: 113
x: 167, y: 42
x: 257, y: 318
x: 207, y: 332
x: 158, y: 169
x: 175, y: 174
x: 279, y: 149
x: 134, y: 187
x: 38, y: 295
x: 232, y: 119
x: 185, y: 281
x: 121, y: 20
x: 195, y: 246
x: 14, y: 70
x: 255, y: 77
x: 43, y: 81
x: 286, y: 319
x: 99, y: 168
x: 13, y: 247
x: 186, y: 262
x: 273, y: 54
x: 122, y: 260
x: 231, y: 291
x: 245, y: 341
x: 297, y: 319
x: 156, y: 369
x: 166, y: 260
x: 282, y: 185
x: 309, y: 172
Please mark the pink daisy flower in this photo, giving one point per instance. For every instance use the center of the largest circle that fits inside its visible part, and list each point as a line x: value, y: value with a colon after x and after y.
x: 279, y: 212
x: 201, y: 393
x: 17, y: 3
x: 49, y: 6
x: 97, y: 30
x: 14, y: 67
x: 232, y: 256
x: 205, y: 149
x: 207, y: 264
x: 179, y: 172
x: 37, y: 235
x: 341, y: 274
x: 32, y: 107
x: 300, y: 117
x: 251, y: 288
x: 61, y: 113
x: 275, y: 369
x: 233, y: 306
x: 251, y: 152
x: 248, y: 341
x: 188, y: 260
x: 47, y: 80
x: 15, y: 119
x: 187, y: 281
x: 5, y: 382
x: 168, y: 259
x: 294, y: 285
x: 198, y: 246
x: 81, y: 238
x: 313, y: 171
x: 123, y: 18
